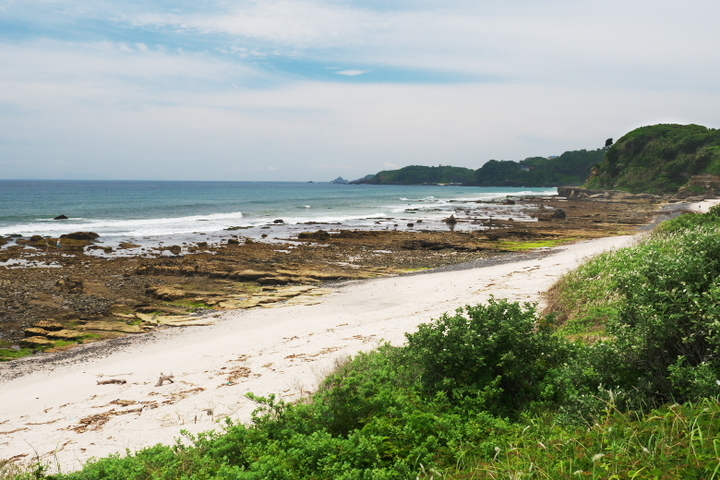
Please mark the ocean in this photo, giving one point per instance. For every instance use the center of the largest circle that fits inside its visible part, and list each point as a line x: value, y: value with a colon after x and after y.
x: 151, y: 212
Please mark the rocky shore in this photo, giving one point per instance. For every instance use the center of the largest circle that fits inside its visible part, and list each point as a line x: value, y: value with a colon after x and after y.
x: 58, y: 293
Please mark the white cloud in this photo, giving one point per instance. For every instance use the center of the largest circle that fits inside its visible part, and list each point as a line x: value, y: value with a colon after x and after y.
x: 351, y: 73
x: 201, y: 94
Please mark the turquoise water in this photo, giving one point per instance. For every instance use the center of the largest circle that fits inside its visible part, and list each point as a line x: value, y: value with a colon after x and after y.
x: 137, y: 210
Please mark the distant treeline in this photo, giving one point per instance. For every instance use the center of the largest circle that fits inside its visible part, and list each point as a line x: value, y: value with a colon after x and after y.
x: 570, y: 168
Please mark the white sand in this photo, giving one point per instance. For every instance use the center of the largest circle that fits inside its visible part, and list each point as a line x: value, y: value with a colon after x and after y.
x: 704, y: 206
x: 282, y: 350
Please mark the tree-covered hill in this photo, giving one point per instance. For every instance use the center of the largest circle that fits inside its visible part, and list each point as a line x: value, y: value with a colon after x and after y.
x: 421, y: 175
x: 570, y: 168
x: 659, y: 159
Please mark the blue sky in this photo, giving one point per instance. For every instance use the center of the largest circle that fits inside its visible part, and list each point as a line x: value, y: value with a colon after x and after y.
x: 312, y: 90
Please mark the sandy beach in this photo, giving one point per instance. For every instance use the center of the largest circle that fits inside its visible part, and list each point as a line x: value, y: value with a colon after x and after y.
x: 61, y: 411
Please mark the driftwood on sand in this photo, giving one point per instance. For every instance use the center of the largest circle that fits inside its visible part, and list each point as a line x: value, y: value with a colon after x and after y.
x: 163, y: 378
x: 111, y: 381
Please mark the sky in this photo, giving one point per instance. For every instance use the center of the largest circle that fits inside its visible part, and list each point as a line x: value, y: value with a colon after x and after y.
x: 299, y: 90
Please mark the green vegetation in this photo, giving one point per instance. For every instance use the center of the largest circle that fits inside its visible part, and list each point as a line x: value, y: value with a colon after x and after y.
x: 517, y: 246
x: 421, y: 175
x: 570, y: 168
x: 7, y: 354
x: 500, y: 391
x: 659, y: 159
x: 654, y: 159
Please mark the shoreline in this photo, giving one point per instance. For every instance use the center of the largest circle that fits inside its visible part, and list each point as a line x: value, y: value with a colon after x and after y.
x: 67, y: 417
x: 49, y: 361
x: 61, y: 411
x: 90, y: 297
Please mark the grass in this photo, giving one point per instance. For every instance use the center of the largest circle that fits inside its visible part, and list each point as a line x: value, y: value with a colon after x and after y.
x: 674, y: 442
x: 519, y: 246
x: 7, y: 354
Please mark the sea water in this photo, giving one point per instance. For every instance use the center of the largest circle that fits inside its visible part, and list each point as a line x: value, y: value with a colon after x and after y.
x: 170, y: 211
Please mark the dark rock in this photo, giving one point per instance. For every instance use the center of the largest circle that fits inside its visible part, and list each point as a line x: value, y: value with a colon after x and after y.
x: 69, y: 285
x: 233, y: 241
x: 81, y: 236
x: 60, y: 217
x: 319, y: 235
x: 559, y: 213
x: 279, y: 220
x: 35, y: 332
x: 273, y: 281
x: 427, y: 245
x: 174, y: 249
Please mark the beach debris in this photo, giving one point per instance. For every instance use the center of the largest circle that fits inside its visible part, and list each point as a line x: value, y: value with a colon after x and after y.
x: 176, y: 397
x: 164, y: 378
x: 111, y: 381
x: 96, y: 422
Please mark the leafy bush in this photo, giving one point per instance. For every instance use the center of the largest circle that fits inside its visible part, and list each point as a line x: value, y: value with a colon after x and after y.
x: 494, y: 357
x: 661, y: 311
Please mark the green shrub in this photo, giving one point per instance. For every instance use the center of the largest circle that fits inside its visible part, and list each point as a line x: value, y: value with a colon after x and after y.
x: 661, y: 311
x: 494, y: 357
x: 670, y: 313
x: 691, y: 220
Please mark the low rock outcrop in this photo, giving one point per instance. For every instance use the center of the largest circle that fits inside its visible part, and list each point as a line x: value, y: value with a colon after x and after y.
x: 81, y: 236
x: 579, y: 193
